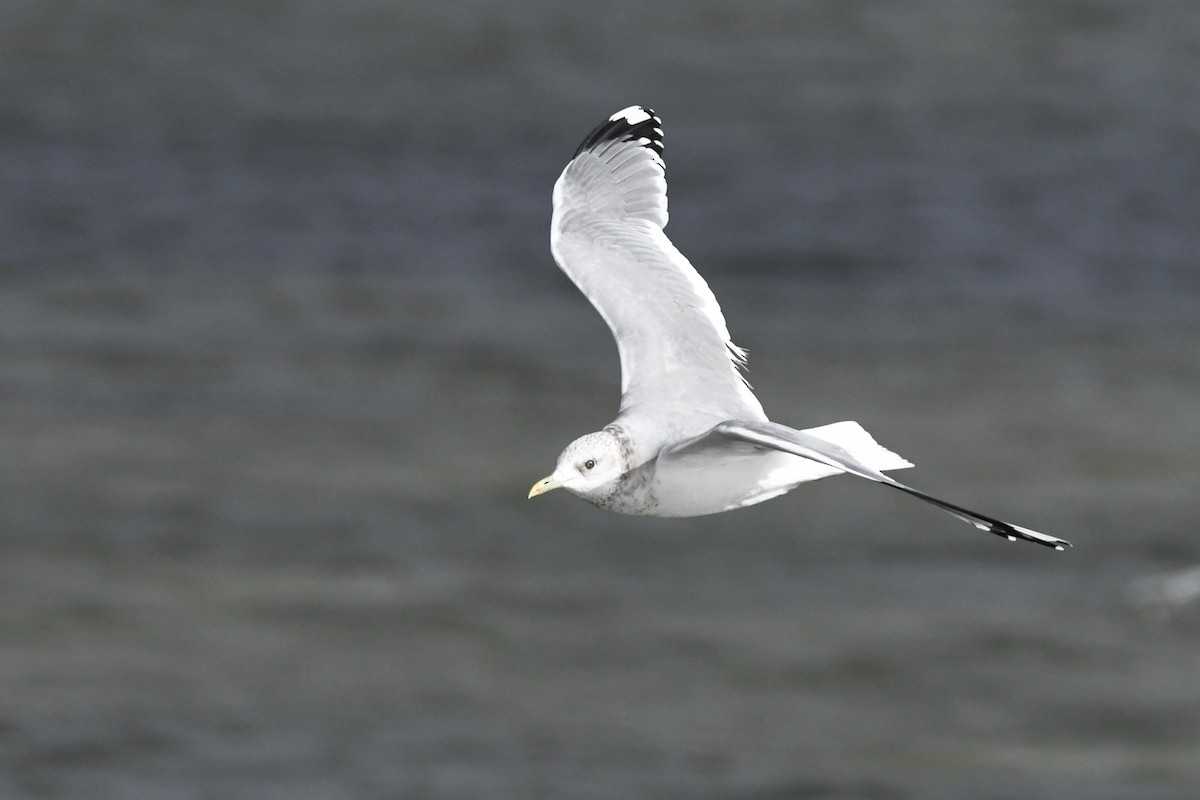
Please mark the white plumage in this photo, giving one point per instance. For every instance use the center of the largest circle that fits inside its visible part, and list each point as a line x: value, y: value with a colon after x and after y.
x: 691, y: 438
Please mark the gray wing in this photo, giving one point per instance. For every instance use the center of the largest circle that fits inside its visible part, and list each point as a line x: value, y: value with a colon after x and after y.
x: 800, y: 443
x: 610, y: 206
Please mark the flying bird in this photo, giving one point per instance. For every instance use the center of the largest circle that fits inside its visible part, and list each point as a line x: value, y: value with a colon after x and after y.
x: 690, y: 438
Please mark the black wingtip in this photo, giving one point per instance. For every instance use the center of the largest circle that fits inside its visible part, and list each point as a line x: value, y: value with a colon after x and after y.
x: 1015, y: 532
x: 627, y: 125
x: 986, y: 523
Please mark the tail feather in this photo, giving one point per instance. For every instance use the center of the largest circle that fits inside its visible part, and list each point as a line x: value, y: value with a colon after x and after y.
x: 860, y: 444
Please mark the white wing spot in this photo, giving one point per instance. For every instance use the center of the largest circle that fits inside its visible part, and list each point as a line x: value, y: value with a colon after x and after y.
x: 633, y: 115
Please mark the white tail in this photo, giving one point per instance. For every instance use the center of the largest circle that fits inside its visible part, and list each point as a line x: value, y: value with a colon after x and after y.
x: 860, y: 444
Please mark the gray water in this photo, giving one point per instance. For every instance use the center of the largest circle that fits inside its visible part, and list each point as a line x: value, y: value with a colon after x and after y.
x: 282, y: 349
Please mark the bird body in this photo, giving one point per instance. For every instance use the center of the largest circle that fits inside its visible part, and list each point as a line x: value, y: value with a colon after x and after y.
x: 690, y: 438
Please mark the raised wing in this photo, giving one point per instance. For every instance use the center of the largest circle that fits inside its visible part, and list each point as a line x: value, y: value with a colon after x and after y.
x: 610, y: 206
x: 807, y: 445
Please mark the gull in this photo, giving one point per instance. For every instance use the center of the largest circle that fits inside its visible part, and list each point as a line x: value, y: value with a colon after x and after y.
x: 690, y: 438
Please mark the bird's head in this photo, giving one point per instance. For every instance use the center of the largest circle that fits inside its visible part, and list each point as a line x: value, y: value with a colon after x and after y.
x: 586, y: 467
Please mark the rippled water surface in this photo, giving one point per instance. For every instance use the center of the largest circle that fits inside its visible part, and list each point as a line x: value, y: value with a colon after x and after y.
x: 282, y: 348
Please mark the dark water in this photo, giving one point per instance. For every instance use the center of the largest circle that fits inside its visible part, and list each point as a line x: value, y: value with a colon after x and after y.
x: 282, y: 348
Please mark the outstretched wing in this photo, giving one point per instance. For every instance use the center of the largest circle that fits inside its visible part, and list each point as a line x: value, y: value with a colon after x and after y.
x: 610, y: 207
x: 806, y: 445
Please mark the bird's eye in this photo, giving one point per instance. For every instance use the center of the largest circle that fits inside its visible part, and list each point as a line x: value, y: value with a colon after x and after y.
x: 589, y: 463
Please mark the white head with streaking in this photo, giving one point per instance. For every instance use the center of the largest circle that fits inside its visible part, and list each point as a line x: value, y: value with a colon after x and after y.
x: 588, y: 467
x: 690, y: 438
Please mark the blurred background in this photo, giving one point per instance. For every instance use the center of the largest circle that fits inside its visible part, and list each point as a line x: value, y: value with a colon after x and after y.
x: 282, y: 348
